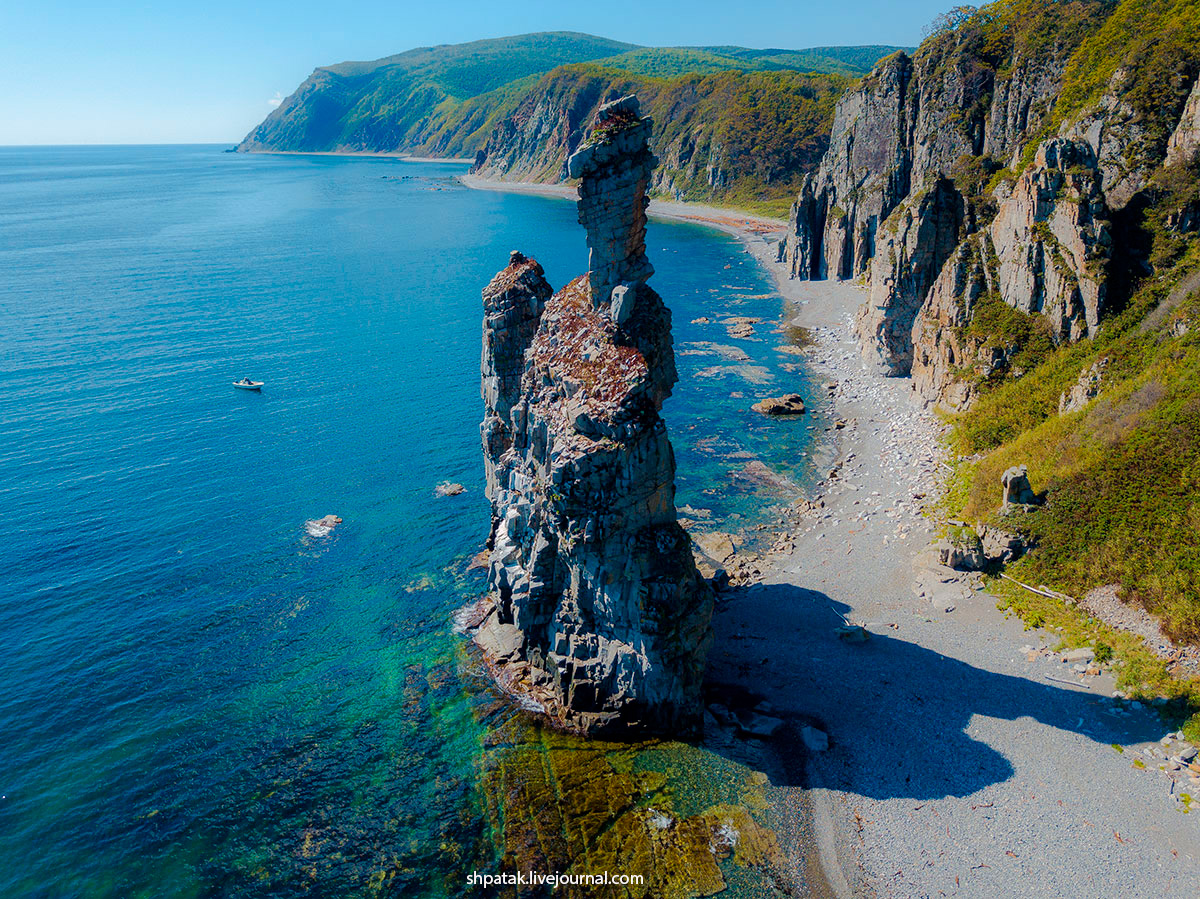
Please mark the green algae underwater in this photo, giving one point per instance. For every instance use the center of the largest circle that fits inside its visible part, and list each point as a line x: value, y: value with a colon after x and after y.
x: 686, y: 821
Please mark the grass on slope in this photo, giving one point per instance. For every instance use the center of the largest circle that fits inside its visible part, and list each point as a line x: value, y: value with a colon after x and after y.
x: 470, y: 69
x: 763, y: 130
x: 1121, y: 476
x: 1144, y: 53
x: 768, y: 129
x: 668, y: 62
x: 1155, y: 44
x: 1139, y: 672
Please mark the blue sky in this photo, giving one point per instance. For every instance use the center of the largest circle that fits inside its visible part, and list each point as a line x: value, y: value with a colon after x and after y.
x: 170, y: 72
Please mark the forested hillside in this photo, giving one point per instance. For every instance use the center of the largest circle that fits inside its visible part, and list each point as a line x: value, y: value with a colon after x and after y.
x: 446, y: 100
x: 731, y: 137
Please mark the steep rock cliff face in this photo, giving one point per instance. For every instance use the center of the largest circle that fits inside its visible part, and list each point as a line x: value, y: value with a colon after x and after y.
x: 906, y: 125
x: 1020, y: 100
x: 1046, y: 252
x: 1052, y: 241
x: 597, y: 617
x: 748, y: 135
x: 949, y: 363
x: 862, y: 177
x: 513, y: 304
x: 911, y: 248
x: 1184, y: 146
x: 534, y: 141
x: 920, y: 159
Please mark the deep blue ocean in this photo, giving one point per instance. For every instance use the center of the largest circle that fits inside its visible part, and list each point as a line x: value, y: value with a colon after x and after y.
x: 198, y: 697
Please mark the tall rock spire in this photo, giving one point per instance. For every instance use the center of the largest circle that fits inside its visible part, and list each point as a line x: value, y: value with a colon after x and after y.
x: 596, y: 616
x: 614, y: 169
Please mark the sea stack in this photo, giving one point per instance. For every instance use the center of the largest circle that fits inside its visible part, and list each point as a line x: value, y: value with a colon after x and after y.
x: 596, y: 616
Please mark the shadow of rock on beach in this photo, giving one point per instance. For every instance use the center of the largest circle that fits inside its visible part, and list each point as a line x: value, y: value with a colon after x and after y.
x: 907, y: 708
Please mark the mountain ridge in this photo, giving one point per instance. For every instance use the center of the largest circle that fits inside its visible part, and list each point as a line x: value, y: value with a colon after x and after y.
x: 444, y: 100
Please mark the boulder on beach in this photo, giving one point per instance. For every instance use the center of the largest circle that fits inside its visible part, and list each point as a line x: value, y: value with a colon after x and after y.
x: 788, y: 404
x: 717, y: 546
x: 961, y: 554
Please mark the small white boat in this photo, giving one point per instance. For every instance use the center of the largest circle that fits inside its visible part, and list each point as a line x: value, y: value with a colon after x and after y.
x: 247, y: 384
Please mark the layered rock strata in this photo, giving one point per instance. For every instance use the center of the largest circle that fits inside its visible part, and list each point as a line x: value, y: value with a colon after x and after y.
x: 1052, y: 240
x: 1045, y: 253
x: 596, y: 615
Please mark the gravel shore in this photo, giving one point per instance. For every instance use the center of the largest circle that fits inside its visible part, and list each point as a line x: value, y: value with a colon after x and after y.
x: 966, y: 759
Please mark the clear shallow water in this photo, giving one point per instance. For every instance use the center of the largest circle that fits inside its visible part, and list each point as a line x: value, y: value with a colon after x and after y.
x: 199, y: 698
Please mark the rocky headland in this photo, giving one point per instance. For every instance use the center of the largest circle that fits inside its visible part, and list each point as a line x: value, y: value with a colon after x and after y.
x: 943, y: 190
x: 596, y: 615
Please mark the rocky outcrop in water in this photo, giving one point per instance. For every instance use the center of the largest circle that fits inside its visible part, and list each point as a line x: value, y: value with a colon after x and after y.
x: 596, y: 616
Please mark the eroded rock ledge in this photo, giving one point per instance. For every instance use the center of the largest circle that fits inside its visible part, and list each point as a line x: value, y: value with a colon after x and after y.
x: 596, y: 616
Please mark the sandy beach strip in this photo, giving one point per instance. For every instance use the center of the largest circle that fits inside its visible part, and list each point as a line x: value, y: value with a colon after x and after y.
x: 403, y: 157
x: 733, y: 221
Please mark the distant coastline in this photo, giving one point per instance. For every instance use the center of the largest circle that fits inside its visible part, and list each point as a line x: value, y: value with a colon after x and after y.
x: 404, y: 157
x: 734, y: 221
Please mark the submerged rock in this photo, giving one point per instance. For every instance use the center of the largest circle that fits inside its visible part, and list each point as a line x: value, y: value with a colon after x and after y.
x: 788, y: 404
x: 814, y: 740
x: 599, y: 619
x: 322, y: 527
x: 553, y: 802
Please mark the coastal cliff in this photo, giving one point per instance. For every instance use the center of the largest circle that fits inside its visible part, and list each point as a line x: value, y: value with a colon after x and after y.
x: 746, y: 137
x: 457, y: 100
x: 596, y: 617
x: 903, y: 184
x: 1021, y: 196
x: 947, y: 188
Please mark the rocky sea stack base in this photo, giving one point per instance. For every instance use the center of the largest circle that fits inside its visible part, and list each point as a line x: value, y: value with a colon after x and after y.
x: 596, y: 616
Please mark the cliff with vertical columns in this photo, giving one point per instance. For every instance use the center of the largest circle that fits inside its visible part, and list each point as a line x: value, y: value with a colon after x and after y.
x: 596, y: 617
x: 958, y: 176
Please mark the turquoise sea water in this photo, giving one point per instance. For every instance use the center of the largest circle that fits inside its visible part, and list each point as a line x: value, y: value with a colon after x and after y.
x: 199, y: 698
